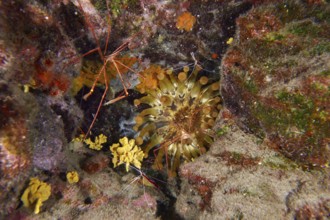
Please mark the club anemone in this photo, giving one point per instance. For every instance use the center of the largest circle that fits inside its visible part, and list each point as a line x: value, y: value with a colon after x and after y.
x: 177, y: 124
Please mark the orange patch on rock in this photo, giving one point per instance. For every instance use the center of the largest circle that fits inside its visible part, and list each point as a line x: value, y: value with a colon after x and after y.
x: 185, y: 21
x: 149, y: 79
x: 47, y: 80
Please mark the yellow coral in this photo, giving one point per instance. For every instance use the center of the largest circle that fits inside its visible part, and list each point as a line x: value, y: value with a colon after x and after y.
x: 35, y: 194
x: 126, y: 152
x: 80, y: 138
x: 185, y: 21
x: 72, y: 177
x: 97, y: 144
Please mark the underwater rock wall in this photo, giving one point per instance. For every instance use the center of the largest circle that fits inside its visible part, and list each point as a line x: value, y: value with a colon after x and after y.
x: 270, y: 158
x: 275, y: 78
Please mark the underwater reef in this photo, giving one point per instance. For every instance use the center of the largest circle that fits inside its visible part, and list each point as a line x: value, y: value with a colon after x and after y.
x: 134, y: 109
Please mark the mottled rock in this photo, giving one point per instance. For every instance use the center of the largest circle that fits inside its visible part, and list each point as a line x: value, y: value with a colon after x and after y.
x: 275, y: 78
x: 15, y: 147
x: 241, y: 178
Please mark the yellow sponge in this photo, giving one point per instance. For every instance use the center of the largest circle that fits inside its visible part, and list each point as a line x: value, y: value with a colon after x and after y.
x: 97, y: 144
x: 35, y: 194
x: 72, y: 177
x: 126, y: 152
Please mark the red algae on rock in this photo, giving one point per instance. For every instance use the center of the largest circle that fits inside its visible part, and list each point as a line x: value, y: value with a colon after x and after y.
x: 95, y: 163
x: 202, y: 185
x: 313, y: 211
x: 46, y: 79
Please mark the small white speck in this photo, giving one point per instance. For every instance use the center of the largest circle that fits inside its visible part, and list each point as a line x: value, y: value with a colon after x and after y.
x: 268, y: 78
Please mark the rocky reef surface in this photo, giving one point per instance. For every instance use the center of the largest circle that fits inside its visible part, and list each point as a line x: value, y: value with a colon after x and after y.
x: 268, y: 150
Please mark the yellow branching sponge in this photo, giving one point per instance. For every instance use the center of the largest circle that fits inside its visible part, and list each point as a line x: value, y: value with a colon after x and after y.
x: 180, y: 118
x: 97, y: 144
x: 126, y: 151
x: 35, y: 194
x: 72, y: 177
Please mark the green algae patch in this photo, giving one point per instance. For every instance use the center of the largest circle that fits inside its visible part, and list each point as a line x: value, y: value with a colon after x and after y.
x: 279, y: 162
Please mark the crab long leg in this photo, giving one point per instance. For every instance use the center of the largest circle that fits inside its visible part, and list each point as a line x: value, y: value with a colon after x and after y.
x: 102, y: 99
